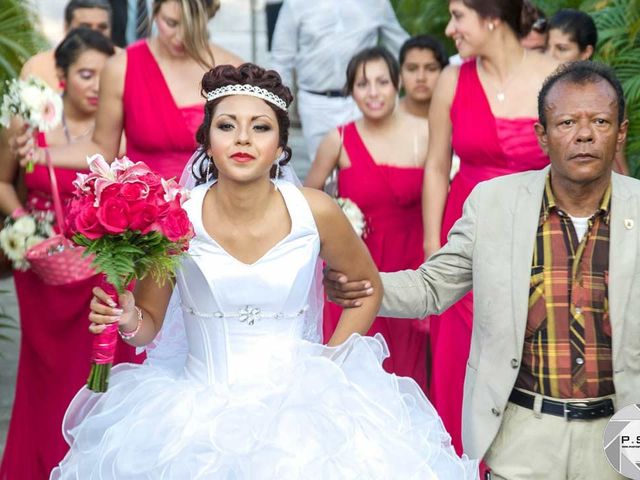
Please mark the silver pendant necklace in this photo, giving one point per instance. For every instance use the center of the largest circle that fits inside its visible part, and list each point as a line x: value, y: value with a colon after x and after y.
x: 500, y: 92
x: 72, y: 138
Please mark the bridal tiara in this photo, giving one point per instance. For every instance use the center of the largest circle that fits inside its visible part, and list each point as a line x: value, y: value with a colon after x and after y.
x: 250, y: 90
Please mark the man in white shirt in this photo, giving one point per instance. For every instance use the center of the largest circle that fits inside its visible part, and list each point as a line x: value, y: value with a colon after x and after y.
x: 317, y: 39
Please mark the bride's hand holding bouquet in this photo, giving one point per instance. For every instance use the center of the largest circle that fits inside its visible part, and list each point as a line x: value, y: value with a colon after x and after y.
x: 132, y: 220
x: 105, y: 312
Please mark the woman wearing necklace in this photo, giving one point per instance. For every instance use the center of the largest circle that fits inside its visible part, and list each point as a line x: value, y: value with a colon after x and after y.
x: 148, y: 93
x: 485, y: 110
x: 55, y: 344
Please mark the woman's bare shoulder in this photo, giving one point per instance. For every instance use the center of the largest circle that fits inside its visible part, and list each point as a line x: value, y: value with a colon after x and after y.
x: 117, y: 63
x: 114, y: 72
x: 451, y: 71
x: 317, y: 199
x: 323, y: 207
x: 449, y: 75
x: 331, y: 139
x: 541, y: 65
x: 447, y: 82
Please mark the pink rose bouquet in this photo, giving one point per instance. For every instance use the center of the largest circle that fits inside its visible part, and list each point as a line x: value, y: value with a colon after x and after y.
x: 132, y: 220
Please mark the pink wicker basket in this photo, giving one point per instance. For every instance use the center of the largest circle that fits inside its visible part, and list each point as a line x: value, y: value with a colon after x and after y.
x: 57, y: 260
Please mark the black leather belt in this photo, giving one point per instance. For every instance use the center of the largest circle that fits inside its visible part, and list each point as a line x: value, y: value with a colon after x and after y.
x: 569, y: 410
x: 328, y: 93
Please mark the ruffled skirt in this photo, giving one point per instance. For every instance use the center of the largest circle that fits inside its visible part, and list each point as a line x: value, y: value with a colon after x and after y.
x: 319, y: 413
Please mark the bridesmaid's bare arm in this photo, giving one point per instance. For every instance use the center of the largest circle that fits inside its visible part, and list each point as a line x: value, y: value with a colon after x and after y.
x: 326, y: 160
x: 438, y: 164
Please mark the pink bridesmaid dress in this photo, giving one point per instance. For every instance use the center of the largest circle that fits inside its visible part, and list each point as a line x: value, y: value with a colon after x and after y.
x: 390, y: 198
x: 488, y: 147
x: 158, y: 131
x: 55, y: 344
x: 55, y: 347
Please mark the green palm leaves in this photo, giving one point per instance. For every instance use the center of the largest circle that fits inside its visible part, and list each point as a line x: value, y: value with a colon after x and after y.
x: 19, y: 38
x: 618, y: 24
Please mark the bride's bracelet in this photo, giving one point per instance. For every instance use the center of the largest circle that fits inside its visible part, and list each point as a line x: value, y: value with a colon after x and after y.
x: 134, y: 332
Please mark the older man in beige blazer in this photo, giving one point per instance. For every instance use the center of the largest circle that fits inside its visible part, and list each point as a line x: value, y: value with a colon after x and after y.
x: 538, y: 392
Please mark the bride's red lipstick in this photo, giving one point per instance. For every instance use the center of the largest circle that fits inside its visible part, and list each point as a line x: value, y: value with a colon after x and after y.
x: 242, y: 157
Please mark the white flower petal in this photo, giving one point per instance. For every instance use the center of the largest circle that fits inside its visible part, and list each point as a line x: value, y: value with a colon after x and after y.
x: 25, y: 225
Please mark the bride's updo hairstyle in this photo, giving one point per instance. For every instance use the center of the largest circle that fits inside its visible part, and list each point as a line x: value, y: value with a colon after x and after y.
x: 245, y: 74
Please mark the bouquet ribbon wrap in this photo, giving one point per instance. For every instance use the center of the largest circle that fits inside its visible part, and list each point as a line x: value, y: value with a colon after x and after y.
x: 104, y: 347
x: 132, y: 221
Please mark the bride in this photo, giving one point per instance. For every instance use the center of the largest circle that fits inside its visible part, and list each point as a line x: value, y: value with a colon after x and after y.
x: 258, y: 396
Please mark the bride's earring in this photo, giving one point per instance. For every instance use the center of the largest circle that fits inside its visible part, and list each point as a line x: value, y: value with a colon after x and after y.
x: 209, y: 168
x: 275, y: 179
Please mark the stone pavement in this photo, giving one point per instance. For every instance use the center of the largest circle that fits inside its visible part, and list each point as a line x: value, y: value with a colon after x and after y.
x: 231, y: 28
x: 8, y: 357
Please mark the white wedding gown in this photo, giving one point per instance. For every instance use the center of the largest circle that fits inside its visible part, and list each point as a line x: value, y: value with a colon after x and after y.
x: 256, y: 399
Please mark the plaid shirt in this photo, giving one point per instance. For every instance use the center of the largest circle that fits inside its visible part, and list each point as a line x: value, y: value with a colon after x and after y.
x: 567, y: 347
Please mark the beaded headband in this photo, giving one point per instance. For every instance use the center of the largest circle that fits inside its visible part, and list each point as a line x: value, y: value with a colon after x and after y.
x: 250, y: 90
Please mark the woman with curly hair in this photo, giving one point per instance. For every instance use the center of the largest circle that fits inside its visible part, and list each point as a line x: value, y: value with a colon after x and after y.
x: 258, y: 397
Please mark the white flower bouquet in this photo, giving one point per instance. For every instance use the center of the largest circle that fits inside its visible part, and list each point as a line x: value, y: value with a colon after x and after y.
x: 353, y: 214
x: 22, y: 233
x: 32, y: 99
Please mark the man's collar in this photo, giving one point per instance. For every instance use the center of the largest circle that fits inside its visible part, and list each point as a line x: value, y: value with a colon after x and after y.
x: 549, y: 203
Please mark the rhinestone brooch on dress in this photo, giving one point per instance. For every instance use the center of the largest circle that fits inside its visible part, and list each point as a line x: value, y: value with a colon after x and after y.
x: 250, y: 315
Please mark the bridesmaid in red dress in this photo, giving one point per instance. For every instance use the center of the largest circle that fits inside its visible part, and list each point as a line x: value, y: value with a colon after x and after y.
x: 55, y: 341
x: 151, y: 92
x: 485, y: 109
x: 380, y: 161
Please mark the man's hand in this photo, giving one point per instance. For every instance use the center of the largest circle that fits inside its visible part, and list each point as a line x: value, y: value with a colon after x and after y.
x: 344, y: 293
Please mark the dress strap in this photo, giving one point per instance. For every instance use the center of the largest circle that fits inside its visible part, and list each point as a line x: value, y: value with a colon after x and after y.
x: 148, y: 101
x: 356, y: 149
x: 474, y: 132
x: 299, y: 209
x: 193, y: 207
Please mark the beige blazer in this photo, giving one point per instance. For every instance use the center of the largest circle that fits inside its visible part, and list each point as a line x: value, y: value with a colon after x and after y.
x: 491, y: 248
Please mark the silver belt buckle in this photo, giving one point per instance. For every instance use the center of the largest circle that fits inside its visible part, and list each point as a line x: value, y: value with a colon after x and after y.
x: 566, y: 408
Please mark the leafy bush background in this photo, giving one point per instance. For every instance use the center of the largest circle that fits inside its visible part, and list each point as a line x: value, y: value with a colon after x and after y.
x: 19, y: 37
